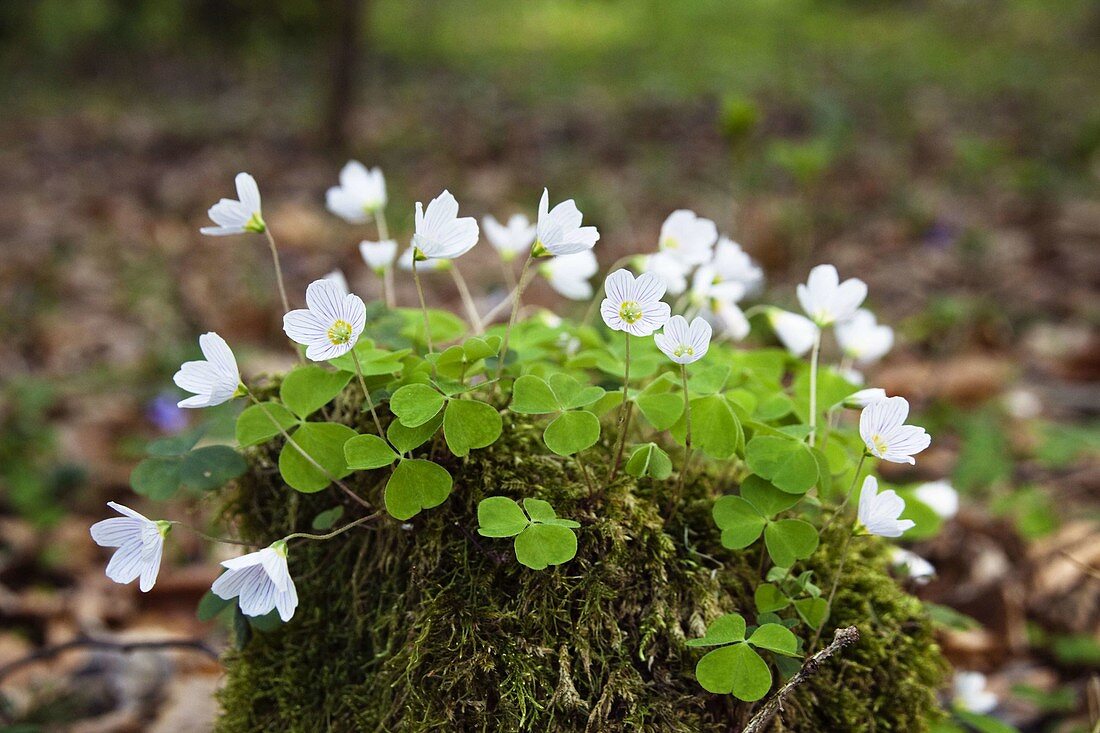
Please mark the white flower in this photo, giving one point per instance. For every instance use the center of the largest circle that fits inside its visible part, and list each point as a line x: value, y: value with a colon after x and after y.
x: 691, y: 238
x: 405, y: 262
x: 796, y: 332
x: 569, y: 274
x: 864, y: 397
x: 140, y: 544
x: 731, y: 263
x: 337, y: 277
x: 863, y: 339
x: 827, y: 300
x: 331, y: 323
x: 379, y: 255
x: 878, y: 513
x: 214, y: 380
x: 237, y: 217
x: 669, y: 268
x: 682, y: 343
x: 940, y: 497
x: 634, y: 305
x: 881, y: 425
x: 708, y: 288
x: 440, y: 233
x: 361, y: 193
x: 261, y: 581
x: 559, y: 230
x: 854, y: 376
x: 510, y: 240
x: 971, y: 693
x: 918, y: 569
x: 732, y: 319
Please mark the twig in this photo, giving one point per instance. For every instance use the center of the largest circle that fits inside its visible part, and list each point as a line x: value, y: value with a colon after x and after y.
x: 50, y: 652
x: 842, y: 638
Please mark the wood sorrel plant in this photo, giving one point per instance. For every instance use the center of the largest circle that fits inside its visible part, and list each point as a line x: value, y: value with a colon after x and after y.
x: 765, y: 426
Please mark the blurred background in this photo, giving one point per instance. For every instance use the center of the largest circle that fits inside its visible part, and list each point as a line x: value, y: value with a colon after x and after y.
x: 945, y: 151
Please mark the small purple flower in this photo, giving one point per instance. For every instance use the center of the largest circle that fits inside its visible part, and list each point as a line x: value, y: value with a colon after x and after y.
x: 163, y: 413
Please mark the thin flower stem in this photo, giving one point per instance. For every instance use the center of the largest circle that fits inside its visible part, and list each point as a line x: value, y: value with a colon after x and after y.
x: 848, y: 496
x: 211, y: 538
x: 687, y: 444
x: 309, y: 459
x: 333, y: 533
x: 509, y: 273
x: 366, y: 394
x: 587, y: 476
x: 278, y: 269
x: 387, y: 272
x: 523, y: 282
x: 624, y: 412
x: 380, y: 223
x: 836, y: 584
x: 813, y: 387
x: 423, y: 307
x: 467, y: 299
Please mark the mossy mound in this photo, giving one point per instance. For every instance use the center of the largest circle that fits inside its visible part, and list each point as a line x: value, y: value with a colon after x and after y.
x: 426, y: 626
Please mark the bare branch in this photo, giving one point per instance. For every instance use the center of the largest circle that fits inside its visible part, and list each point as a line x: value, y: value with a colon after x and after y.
x: 842, y: 638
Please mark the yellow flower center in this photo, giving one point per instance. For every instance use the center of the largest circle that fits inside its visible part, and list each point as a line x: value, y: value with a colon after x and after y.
x: 339, y: 332
x: 879, y: 443
x: 670, y: 243
x: 630, y: 311
x: 684, y: 350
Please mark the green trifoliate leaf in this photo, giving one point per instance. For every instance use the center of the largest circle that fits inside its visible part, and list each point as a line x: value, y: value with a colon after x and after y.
x: 260, y: 423
x: 480, y: 347
x: 789, y: 540
x: 541, y: 545
x: 610, y: 401
x: 727, y: 629
x: 445, y: 326
x: 324, y: 443
x: 773, y: 407
x: 709, y: 380
x: 661, y: 410
x: 541, y: 511
x: 470, y: 424
x: 326, y: 519
x: 406, y: 439
x: 157, y: 477
x: 373, y: 362
x: 416, y: 404
x: 769, y: 598
x: 532, y: 396
x: 176, y: 445
x: 736, y: 670
x: 571, y: 393
x: 499, y: 516
x: 211, y: 467
x: 814, y: 611
x: 367, y: 452
x: 763, y: 495
x: 649, y: 460
x: 416, y: 485
x: 308, y: 388
x: 740, y: 522
x: 786, y: 462
x: 572, y: 432
x: 716, y: 432
x: 775, y: 638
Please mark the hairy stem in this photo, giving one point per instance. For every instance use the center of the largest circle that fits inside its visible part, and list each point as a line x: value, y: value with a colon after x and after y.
x: 842, y: 638
x: 278, y: 269
x: 624, y: 413
x: 423, y: 308
x: 366, y: 394
x: 813, y: 387
x: 675, y: 500
x: 211, y: 538
x: 836, y: 583
x: 467, y: 299
x: 523, y: 281
x: 333, y: 533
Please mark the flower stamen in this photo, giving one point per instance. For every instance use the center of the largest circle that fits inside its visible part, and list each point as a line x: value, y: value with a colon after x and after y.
x: 339, y: 333
x: 630, y: 311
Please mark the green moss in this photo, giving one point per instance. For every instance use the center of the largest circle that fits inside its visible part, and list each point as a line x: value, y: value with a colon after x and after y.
x: 427, y: 626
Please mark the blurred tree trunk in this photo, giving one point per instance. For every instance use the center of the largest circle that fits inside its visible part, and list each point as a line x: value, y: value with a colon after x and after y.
x: 345, y: 49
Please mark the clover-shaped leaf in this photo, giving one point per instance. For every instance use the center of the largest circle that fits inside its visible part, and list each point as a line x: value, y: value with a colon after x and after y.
x: 415, y: 485
x: 741, y: 523
x: 571, y: 394
x: 775, y: 638
x: 716, y: 431
x: 789, y: 540
x: 416, y: 404
x: 260, y: 423
x: 736, y: 669
x: 308, y: 388
x: 533, y: 396
x: 368, y: 451
x: 211, y: 467
x: 326, y: 519
x: 406, y: 439
x: 814, y: 611
x: 786, y: 462
x: 661, y: 410
x: 324, y: 443
x: 469, y: 424
x: 542, y: 537
x: 649, y: 460
x: 769, y: 597
x: 763, y: 495
x: 571, y: 432
x: 725, y: 629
